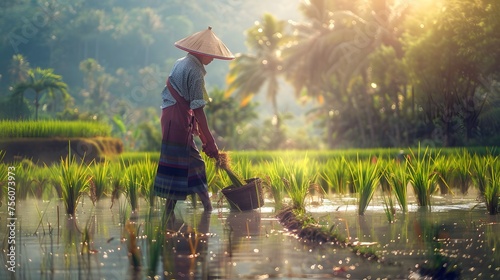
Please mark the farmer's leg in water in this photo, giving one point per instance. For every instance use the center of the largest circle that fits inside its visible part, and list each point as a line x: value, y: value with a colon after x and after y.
x: 170, y: 205
x: 205, y: 200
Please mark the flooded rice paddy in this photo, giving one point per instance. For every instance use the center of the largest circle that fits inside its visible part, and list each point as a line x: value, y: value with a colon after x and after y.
x: 109, y: 243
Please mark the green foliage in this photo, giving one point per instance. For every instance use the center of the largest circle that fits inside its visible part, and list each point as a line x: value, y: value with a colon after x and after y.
x: 18, y: 129
x: 462, y: 166
x: 100, y: 182
x: 41, y: 81
x: 273, y: 174
x: 492, y: 188
x: 73, y: 178
x: 336, y: 174
x: 397, y: 176
x: 298, y: 177
x: 132, y: 182
x: 366, y: 178
x: 422, y: 176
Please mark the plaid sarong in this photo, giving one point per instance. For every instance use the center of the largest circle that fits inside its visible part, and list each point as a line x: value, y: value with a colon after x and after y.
x: 181, y: 169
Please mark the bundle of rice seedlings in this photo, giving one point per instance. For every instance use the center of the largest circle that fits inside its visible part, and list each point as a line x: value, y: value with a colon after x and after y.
x: 223, y: 161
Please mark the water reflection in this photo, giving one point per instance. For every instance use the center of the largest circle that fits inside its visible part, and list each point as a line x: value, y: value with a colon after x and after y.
x: 248, y: 245
x: 186, y: 243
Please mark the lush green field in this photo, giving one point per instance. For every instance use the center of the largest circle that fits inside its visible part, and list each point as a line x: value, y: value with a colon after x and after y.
x: 287, y: 176
x: 20, y: 129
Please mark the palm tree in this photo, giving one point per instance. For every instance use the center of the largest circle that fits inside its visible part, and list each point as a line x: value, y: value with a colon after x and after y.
x: 248, y: 73
x: 19, y: 68
x: 330, y: 55
x: 41, y: 80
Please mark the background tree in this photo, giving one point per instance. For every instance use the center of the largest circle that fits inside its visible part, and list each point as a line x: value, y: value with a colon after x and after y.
x: 42, y: 81
x: 230, y: 121
x: 248, y: 73
x: 448, y: 74
x: 330, y: 61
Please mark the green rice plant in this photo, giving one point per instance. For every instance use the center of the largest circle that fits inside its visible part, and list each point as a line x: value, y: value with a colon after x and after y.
x: 479, y: 171
x: 132, y: 184
x: 422, y: 176
x: 53, y: 128
x: 298, y: 178
x: 41, y: 183
x: 492, y: 187
x: 383, y: 170
x: 147, y: 169
x: 244, y: 168
x: 24, y: 178
x: 397, y: 176
x: 211, y: 172
x: 462, y: 162
x: 444, y: 168
x: 99, y: 185
x: 54, y: 180
x: 275, y: 171
x: 366, y: 178
x: 74, y: 180
x: 335, y: 173
x: 117, y: 181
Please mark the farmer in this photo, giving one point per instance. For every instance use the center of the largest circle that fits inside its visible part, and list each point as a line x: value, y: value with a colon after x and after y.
x: 181, y: 170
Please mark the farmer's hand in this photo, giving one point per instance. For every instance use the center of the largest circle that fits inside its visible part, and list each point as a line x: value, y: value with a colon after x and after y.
x: 211, y: 149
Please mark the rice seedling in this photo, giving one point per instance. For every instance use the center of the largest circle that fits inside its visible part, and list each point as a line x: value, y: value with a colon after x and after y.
x: 53, y: 128
x: 298, y: 177
x: 479, y: 170
x: 24, y: 178
x: 383, y: 170
x: 422, y: 176
x: 211, y: 172
x: 41, y: 183
x: 366, y: 178
x: 132, y: 184
x: 492, y: 187
x: 147, y: 169
x: 462, y: 162
x: 100, y: 179
x: 117, y: 171
x: 244, y: 167
x: 274, y: 181
x: 397, y: 176
x: 444, y: 173
x: 74, y: 180
x: 335, y: 173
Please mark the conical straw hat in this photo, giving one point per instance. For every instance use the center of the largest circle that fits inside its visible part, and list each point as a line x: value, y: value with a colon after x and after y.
x: 206, y: 43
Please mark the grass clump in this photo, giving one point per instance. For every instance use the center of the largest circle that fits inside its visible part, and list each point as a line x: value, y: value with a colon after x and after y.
x: 422, y: 176
x: 366, y: 178
x: 299, y: 176
x: 74, y: 179
x: 492, y: 188
x: 397, y: 176
x: 336, y: 174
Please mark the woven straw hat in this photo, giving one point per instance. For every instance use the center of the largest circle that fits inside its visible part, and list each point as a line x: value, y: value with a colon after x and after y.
x: 206, y: 43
